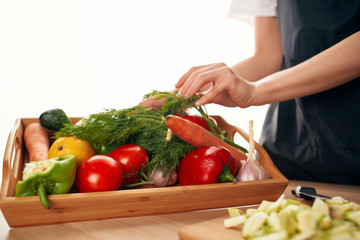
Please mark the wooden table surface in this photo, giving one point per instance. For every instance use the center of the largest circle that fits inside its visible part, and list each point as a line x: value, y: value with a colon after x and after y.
x: 150, y: 227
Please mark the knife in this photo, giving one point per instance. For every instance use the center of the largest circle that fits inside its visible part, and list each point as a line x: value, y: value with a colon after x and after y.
x: 307, y: 193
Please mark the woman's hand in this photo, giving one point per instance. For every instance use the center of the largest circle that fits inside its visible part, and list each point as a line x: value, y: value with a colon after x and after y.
x: 152, y: 102
x: 218, y: 84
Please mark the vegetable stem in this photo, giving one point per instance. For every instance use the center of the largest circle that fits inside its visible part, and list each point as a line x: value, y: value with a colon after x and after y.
x: 142, y: 182
x: 226, y: 175
x: 209, y: 122
x: 43, y: 197
x: 252, y: 144
x: 228, y: 141
x: 220, y: 135
x: 168, y: 135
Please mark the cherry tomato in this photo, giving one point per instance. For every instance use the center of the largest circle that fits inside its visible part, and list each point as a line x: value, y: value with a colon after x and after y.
x: 99, y: 173
x: 132, y: 158
x: 199, y: 120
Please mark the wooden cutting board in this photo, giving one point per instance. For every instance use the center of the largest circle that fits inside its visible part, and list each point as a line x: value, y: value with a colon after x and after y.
x: 210, y: 230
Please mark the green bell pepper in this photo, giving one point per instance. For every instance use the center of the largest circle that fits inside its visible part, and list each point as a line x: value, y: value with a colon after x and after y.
x: 52, y: 176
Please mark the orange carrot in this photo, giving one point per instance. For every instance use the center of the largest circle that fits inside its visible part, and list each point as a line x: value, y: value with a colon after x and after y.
x: 200, y: 137
x: 37, y: 142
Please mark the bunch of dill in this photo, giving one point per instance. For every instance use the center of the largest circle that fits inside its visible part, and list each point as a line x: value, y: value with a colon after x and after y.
x: 138, y: 125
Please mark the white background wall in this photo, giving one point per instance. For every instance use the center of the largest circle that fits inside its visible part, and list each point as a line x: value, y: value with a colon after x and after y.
x: 86, y: 56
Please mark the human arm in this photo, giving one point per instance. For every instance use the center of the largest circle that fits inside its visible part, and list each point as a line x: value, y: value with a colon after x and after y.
x: 333, y: 67
x: 268, y: 55
x: 266, y: 60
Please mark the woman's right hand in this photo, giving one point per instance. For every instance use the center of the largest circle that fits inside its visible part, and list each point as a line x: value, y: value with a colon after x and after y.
x: 217, y: 83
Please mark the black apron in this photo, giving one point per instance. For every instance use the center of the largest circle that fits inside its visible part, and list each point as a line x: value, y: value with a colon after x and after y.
x: 316, y: 138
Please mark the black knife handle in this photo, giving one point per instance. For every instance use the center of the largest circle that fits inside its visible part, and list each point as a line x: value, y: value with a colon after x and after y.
x: 307, y: 193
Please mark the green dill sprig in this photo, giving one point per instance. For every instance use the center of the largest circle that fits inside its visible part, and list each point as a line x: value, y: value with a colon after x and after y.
x: 218, y: 132
x: 113, y: 126
x: 138, y: 125
x: 174, y: 103
x: 167, y: 156
x: 142, y: 126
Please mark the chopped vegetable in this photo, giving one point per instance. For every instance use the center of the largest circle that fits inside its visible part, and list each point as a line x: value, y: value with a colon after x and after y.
x: 37, y: 142
x: 289, y: 219
x: 253, y: 224
x: 234, y: 221
x: 234, y: 212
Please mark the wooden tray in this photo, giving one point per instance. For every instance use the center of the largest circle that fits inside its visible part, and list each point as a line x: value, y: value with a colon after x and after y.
x: 73, y: 207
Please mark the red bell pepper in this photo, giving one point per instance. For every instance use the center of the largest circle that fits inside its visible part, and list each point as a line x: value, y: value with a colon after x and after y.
x: 207, y: 165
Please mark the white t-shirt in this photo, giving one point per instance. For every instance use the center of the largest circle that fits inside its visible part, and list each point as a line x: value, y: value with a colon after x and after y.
x: 259, y: 8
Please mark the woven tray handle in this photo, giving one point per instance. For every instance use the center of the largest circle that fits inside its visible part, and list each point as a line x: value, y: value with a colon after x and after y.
x: 12, y: 162
x: 263, y: 156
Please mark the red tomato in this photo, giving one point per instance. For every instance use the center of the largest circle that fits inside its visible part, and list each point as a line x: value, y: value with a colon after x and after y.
x: 99, y: 173
x: 132, y: 158
x: 199, y: 120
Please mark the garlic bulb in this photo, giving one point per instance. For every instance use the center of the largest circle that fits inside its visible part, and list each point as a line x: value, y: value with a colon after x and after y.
x: 251, y: 169
x: 162, y: 181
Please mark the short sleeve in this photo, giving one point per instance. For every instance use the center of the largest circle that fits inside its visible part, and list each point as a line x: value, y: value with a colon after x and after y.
x: 259, y: 8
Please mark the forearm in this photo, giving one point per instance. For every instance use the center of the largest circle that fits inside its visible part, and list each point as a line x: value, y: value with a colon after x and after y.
x: 331, y: 68
x: 257, y: 67
x: 268, y: 51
